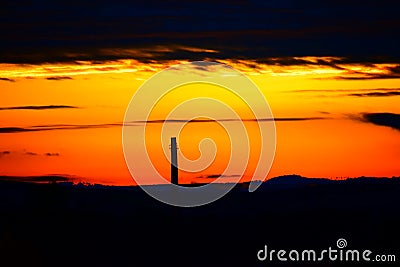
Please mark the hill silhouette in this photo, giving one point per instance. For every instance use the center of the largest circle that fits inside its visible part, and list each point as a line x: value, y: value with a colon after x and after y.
x: 297, y: 180
x: 61, y: 224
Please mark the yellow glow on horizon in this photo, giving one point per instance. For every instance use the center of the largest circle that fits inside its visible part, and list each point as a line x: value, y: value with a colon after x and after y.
x: 338, y: 145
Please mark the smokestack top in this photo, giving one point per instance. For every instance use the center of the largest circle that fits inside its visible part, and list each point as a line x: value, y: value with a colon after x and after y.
x: 174, y: 161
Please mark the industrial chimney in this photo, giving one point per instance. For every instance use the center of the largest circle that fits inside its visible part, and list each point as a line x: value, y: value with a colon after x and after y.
x: 174, y: 162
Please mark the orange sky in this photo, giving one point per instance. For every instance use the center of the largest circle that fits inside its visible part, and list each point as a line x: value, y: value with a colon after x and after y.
x: 85, y: 142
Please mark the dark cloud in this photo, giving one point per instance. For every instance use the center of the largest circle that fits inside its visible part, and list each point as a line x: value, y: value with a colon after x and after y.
x: 155, y: 30
x: 391, y: 72
x: 29, y: 153
x: 13, y: 130
x: 48, y: 154
x: 376, y: 94
x: 38, y: 107
x: 305, y: 61
x: 54, y: 127
x: 59, y: 78
x: 366, y: 76
x: 215, y: 176
x: 294, y: 119
x: 324, y: 112
x: 7, y: 79
x: 37, y: 179
x: 391, y: 120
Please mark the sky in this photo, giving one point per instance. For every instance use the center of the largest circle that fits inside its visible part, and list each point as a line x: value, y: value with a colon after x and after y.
x: 329, y: 70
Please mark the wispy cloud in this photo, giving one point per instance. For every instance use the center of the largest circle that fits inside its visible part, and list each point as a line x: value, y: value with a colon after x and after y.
x: 59, y: 78
x: 226, y: 120
x: 38, y: 107
x: 374, y: 92
x: 325, y: 67
x: 48, y: 154
x: 24, y: 152
x: 377, y: 94
x: 324, y: 112
x: 368, y: 76
x: 53, y: 71
x: 220, y: 175
x: 37, y: 128
x: 371, y: 72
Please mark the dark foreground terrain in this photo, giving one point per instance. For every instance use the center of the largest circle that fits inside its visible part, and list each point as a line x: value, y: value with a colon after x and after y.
x: 66, y: 225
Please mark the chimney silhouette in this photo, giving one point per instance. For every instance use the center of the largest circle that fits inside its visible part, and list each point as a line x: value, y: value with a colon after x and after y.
x: 174, y: 162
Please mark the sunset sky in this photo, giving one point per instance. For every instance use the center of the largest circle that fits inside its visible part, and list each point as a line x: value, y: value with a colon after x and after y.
x: 329, y: 70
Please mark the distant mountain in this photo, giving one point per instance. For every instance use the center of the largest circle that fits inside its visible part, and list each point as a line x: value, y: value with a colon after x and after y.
x: 284, y: 181
x: 296, y: 180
